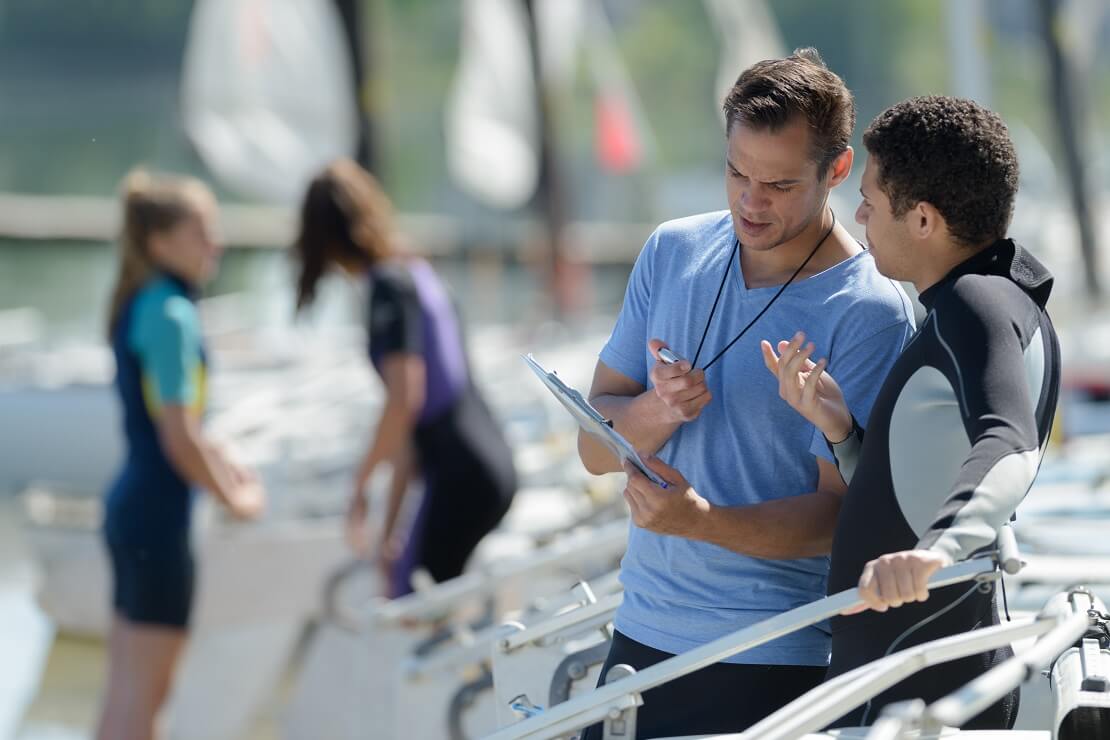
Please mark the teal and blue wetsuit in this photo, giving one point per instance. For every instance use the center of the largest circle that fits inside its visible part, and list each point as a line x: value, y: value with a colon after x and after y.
x: 160, y: 361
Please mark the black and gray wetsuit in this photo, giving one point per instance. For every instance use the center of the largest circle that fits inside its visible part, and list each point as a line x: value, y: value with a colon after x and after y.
x: 952, y: 446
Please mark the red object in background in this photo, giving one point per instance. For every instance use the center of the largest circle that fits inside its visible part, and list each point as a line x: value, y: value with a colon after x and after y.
x: 1091, y: 381
x: 616, y: 135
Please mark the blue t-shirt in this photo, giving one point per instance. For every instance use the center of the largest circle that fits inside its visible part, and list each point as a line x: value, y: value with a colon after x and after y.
x: 160, y: 361
x: 748, y: 445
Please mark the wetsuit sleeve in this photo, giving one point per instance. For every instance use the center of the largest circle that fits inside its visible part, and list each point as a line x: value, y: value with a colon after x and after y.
x: 624, y: 352
x: 396, y: 321
x: 846, y: 452
x: 978, y: 335
x: 859, y: 370
x: 166, y: 338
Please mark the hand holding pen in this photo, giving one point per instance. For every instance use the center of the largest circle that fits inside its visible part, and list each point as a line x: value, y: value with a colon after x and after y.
x: 680, y: 387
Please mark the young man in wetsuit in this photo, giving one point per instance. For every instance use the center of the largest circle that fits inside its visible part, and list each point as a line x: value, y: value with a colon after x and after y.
x: 754, y: 543
x: 960, y: 424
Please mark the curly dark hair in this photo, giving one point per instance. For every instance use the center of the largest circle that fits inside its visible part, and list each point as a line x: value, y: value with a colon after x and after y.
x: 951, y: 153
x: 771, y: 93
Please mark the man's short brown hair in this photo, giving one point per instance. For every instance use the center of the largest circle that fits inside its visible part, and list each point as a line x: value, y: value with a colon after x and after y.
x: 771, y: 93
x: 951, y: 153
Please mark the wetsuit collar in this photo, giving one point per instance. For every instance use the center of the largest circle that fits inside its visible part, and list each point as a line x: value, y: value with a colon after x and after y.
x: 1005, y: 258
x: 190, y: 290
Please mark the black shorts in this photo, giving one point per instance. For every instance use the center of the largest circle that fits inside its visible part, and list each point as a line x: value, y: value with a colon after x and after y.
x: 153, y: 584
x: 723, y: 697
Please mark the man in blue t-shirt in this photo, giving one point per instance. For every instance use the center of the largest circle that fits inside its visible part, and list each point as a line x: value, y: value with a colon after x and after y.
x: 749, y: 535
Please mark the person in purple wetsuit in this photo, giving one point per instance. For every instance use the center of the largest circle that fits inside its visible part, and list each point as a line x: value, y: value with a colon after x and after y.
x: 434, y: 420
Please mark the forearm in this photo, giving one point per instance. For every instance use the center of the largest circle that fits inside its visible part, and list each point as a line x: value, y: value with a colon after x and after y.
x: 782, y: 529
x: 200, y: 463
x: 403, y: 464
x: 642, y: 420
x: 394, y: 430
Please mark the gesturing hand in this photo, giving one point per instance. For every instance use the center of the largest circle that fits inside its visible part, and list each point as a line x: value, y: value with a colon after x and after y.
x: 806, y: 386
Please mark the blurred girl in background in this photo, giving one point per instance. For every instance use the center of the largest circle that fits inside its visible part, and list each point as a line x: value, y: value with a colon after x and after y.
x: 434, y: 420
x: 168, y: 250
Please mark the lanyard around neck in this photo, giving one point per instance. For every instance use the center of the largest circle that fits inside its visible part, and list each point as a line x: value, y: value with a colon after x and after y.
x: 724, y: 278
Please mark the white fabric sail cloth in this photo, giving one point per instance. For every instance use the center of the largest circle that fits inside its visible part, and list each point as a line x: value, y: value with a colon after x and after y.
x: 267, y: 93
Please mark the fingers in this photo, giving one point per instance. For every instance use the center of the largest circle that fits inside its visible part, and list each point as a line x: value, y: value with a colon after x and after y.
x: 664, y: 471
x: 809, y: 390
x: 797, y: 363
x: 662, y: 373
x: 685, y: 394
x: 904, y: 583
x: 685, y: 388
x: 896, y: 579
x: 770, y: 359
x: 921, y: 577
x: 855, y: 610
x: 637, y: 505
x: 679, y: 368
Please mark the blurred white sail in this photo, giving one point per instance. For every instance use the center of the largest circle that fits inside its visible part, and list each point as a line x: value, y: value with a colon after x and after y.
x: 266, y: 93
x: 748, y: 33
x: 492, y: 119
x: 492, y: 126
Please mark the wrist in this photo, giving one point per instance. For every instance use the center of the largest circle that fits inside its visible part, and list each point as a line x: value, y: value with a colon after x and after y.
x: 711, y: 524
x: 841, y: 433
x: 662, y: 413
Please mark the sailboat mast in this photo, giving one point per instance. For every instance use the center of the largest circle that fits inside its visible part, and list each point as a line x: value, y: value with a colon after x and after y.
x: 352, y: 14
x: 1065, y: 109
x: 550, y: 195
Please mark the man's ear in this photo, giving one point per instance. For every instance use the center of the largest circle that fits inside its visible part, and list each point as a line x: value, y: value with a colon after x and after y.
x: 841, y: 167
x: 924, y: 220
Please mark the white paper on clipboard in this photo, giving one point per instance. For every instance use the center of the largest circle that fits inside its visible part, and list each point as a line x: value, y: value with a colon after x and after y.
x: 590, y: 420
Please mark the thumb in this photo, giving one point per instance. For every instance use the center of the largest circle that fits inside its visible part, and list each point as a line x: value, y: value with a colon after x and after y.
x: 663, y: 470
x: 654, y: 345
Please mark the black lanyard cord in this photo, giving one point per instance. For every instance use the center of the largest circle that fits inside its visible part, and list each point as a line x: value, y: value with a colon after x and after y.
x: 705, y: 331
x: 713, y: 311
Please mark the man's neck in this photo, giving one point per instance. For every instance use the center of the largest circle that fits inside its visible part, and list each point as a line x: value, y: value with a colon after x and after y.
x: 941, y: 262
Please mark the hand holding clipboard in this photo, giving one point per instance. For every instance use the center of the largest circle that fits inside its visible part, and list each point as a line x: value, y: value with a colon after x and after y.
x: 591, y: 421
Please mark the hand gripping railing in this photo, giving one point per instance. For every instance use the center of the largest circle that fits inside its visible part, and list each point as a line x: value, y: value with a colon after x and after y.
x: 1070, y: 621
x: 614, y: 699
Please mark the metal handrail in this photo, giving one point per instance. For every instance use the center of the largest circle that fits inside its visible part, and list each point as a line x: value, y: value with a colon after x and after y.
x: 477, y: 650
x: 599, y: 612
x: 833, y: 700
x: 620, y: 695
x: 966, y: 702
x: 574, y: 548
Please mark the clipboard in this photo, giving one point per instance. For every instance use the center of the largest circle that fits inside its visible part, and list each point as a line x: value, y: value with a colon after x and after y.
x: 591, y: 420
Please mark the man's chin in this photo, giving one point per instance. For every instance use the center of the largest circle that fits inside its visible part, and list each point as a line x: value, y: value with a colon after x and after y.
x: 762, y: 243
